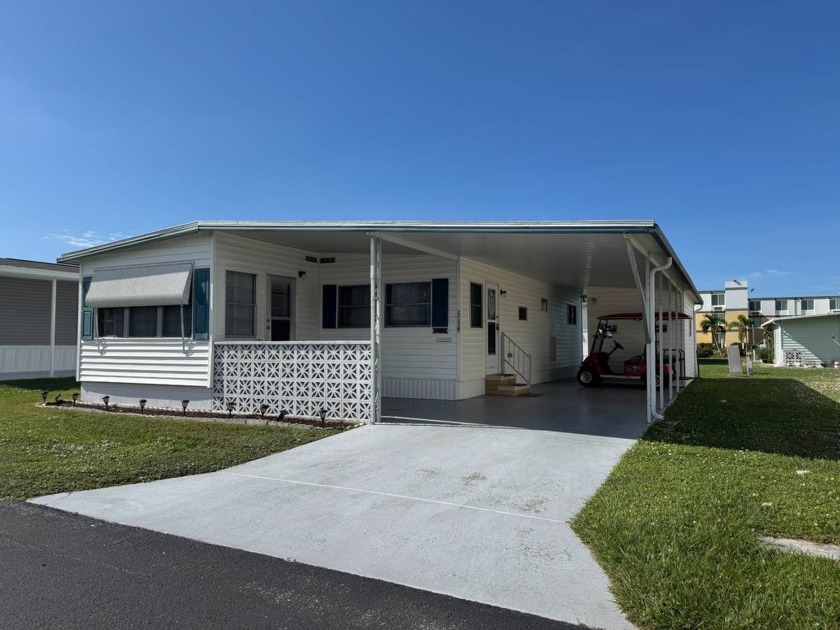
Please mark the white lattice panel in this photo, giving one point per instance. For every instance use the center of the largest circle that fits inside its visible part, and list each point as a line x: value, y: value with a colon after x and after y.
x: 301, y: 378
x: 793, y: 358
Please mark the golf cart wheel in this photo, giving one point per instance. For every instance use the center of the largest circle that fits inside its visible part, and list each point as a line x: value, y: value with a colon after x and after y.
x: 587, y: 378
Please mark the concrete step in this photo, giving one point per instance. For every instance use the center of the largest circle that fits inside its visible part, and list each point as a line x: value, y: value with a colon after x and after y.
x: 511, y: 390
x: 493, y: 381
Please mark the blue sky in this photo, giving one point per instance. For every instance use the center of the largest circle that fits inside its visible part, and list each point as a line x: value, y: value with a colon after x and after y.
x: 718, y: 120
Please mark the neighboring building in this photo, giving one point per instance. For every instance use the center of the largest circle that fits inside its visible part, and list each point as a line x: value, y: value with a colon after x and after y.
x: 281, y: 314
x: 736, y: 299
x: 38, y: 319
x: 806, y: 340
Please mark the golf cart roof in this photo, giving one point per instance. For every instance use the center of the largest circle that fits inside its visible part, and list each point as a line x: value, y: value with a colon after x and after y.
x: 638, y: 316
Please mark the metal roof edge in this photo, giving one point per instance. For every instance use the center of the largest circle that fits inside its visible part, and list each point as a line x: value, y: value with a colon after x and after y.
x: 660, y: 237
x: 536, y: 227
x: 178, y: 230
x: 776, y: 320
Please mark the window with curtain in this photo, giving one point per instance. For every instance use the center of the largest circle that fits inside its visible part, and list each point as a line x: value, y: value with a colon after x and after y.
x: 354, y: 306
x: 408, y: 304
x: 240, y: 304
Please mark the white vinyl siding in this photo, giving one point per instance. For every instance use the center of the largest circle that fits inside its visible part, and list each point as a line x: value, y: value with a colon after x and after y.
x: 535, y: 335
x: 34, y: 361
x: 235, y: 253
x: 152, y: 360
x: 410, y: 355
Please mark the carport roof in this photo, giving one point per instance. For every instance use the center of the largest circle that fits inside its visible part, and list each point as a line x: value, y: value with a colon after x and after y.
x: 573, y: 254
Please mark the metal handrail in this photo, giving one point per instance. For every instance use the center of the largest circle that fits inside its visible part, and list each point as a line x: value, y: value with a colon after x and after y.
x: 518, y: 360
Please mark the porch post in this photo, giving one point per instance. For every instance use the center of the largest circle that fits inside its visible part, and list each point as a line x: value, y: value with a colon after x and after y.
x: 653, y: 411
x: 376, y: 327
x: 52, y: 325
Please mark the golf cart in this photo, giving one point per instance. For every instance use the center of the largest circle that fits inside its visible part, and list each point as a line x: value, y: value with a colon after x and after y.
x: 596, y: 369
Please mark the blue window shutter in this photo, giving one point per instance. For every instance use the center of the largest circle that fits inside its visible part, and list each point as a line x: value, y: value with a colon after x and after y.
x: 329, y: 306
x: 87, y: 312
x: 440, y: 303
x: 201, y: 304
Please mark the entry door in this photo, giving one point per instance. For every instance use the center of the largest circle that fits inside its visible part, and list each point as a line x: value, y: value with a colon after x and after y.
x: 281, y: 307
x: 493, y: 350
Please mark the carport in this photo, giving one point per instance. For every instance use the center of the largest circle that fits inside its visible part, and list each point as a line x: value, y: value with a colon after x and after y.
x: 564, y: 406
x: 624, y: 266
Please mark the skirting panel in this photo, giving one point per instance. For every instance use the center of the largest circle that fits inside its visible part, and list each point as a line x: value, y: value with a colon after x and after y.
x: 157, y: 396
x: 419, y: 388
x: 470, y: 389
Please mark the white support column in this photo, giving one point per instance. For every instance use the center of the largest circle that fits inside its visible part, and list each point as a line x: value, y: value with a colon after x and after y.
x: 376, y: 327
x: 649, y: 336
x: 672, y: 343
x: 681, y: 342
x: 653, y: 413
x: 661, y: 321
x: 52, y: 325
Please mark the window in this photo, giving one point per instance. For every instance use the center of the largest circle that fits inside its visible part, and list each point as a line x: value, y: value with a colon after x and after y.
x: 718, y: 299
x: 781, y: 306
x: 408, y: 304
x: 476, y: 306
x: 171, y: 321
x: 111, y: 322
x: 807, y: 305
x: 543, y: 304
x: 571, y: 314
x: 523, y: 313
x: 240, y: 304
x: 755, y: 305
x: 834, y: 304
x: 143, y: 321
x: 354, y: 306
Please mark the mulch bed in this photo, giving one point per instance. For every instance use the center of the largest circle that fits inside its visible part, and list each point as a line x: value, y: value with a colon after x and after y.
x: 202, y: 415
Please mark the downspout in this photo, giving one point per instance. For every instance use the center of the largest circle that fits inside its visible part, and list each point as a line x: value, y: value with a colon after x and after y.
x: 651, y: 348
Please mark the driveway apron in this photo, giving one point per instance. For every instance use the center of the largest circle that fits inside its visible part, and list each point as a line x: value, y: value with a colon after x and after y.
x: 478, y: 513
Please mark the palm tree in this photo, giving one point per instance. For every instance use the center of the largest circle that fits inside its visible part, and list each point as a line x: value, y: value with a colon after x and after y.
x: 743, y: 325
x: 716, y: 325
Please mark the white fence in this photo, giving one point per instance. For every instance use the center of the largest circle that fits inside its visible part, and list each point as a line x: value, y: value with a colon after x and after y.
x: 301, y: 378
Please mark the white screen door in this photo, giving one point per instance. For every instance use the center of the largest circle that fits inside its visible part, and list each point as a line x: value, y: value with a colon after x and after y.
x: 281, y: 307
x: 492, y: 329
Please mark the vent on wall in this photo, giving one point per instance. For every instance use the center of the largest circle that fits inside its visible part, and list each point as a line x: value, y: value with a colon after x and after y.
x: 312, y: 259
x: 717, y: 308
x: 327, y: 260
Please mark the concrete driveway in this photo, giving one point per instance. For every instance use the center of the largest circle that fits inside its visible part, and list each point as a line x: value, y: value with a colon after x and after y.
x: 479, y: 513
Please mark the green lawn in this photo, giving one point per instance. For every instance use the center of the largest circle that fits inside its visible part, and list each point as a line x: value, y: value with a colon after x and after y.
x: 45, y: 450
x: 676, y: 525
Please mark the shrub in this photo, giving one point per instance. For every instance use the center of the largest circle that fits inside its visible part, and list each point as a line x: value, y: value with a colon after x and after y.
x: 766, y: 354
x: 705, y: 350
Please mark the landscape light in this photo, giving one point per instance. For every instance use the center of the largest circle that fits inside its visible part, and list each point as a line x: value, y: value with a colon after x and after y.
x: 230, y: 407
x: 184, y: 404
x: 323, y: 414
x: 281, y: 415
x: 263, y: 409
x: 44, y: 395
x: 143, y: 402
x: 75, y: 398
x: 106, y: 400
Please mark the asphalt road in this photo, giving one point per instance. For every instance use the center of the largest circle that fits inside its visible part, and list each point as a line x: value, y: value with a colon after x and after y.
x: 59, y: 570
